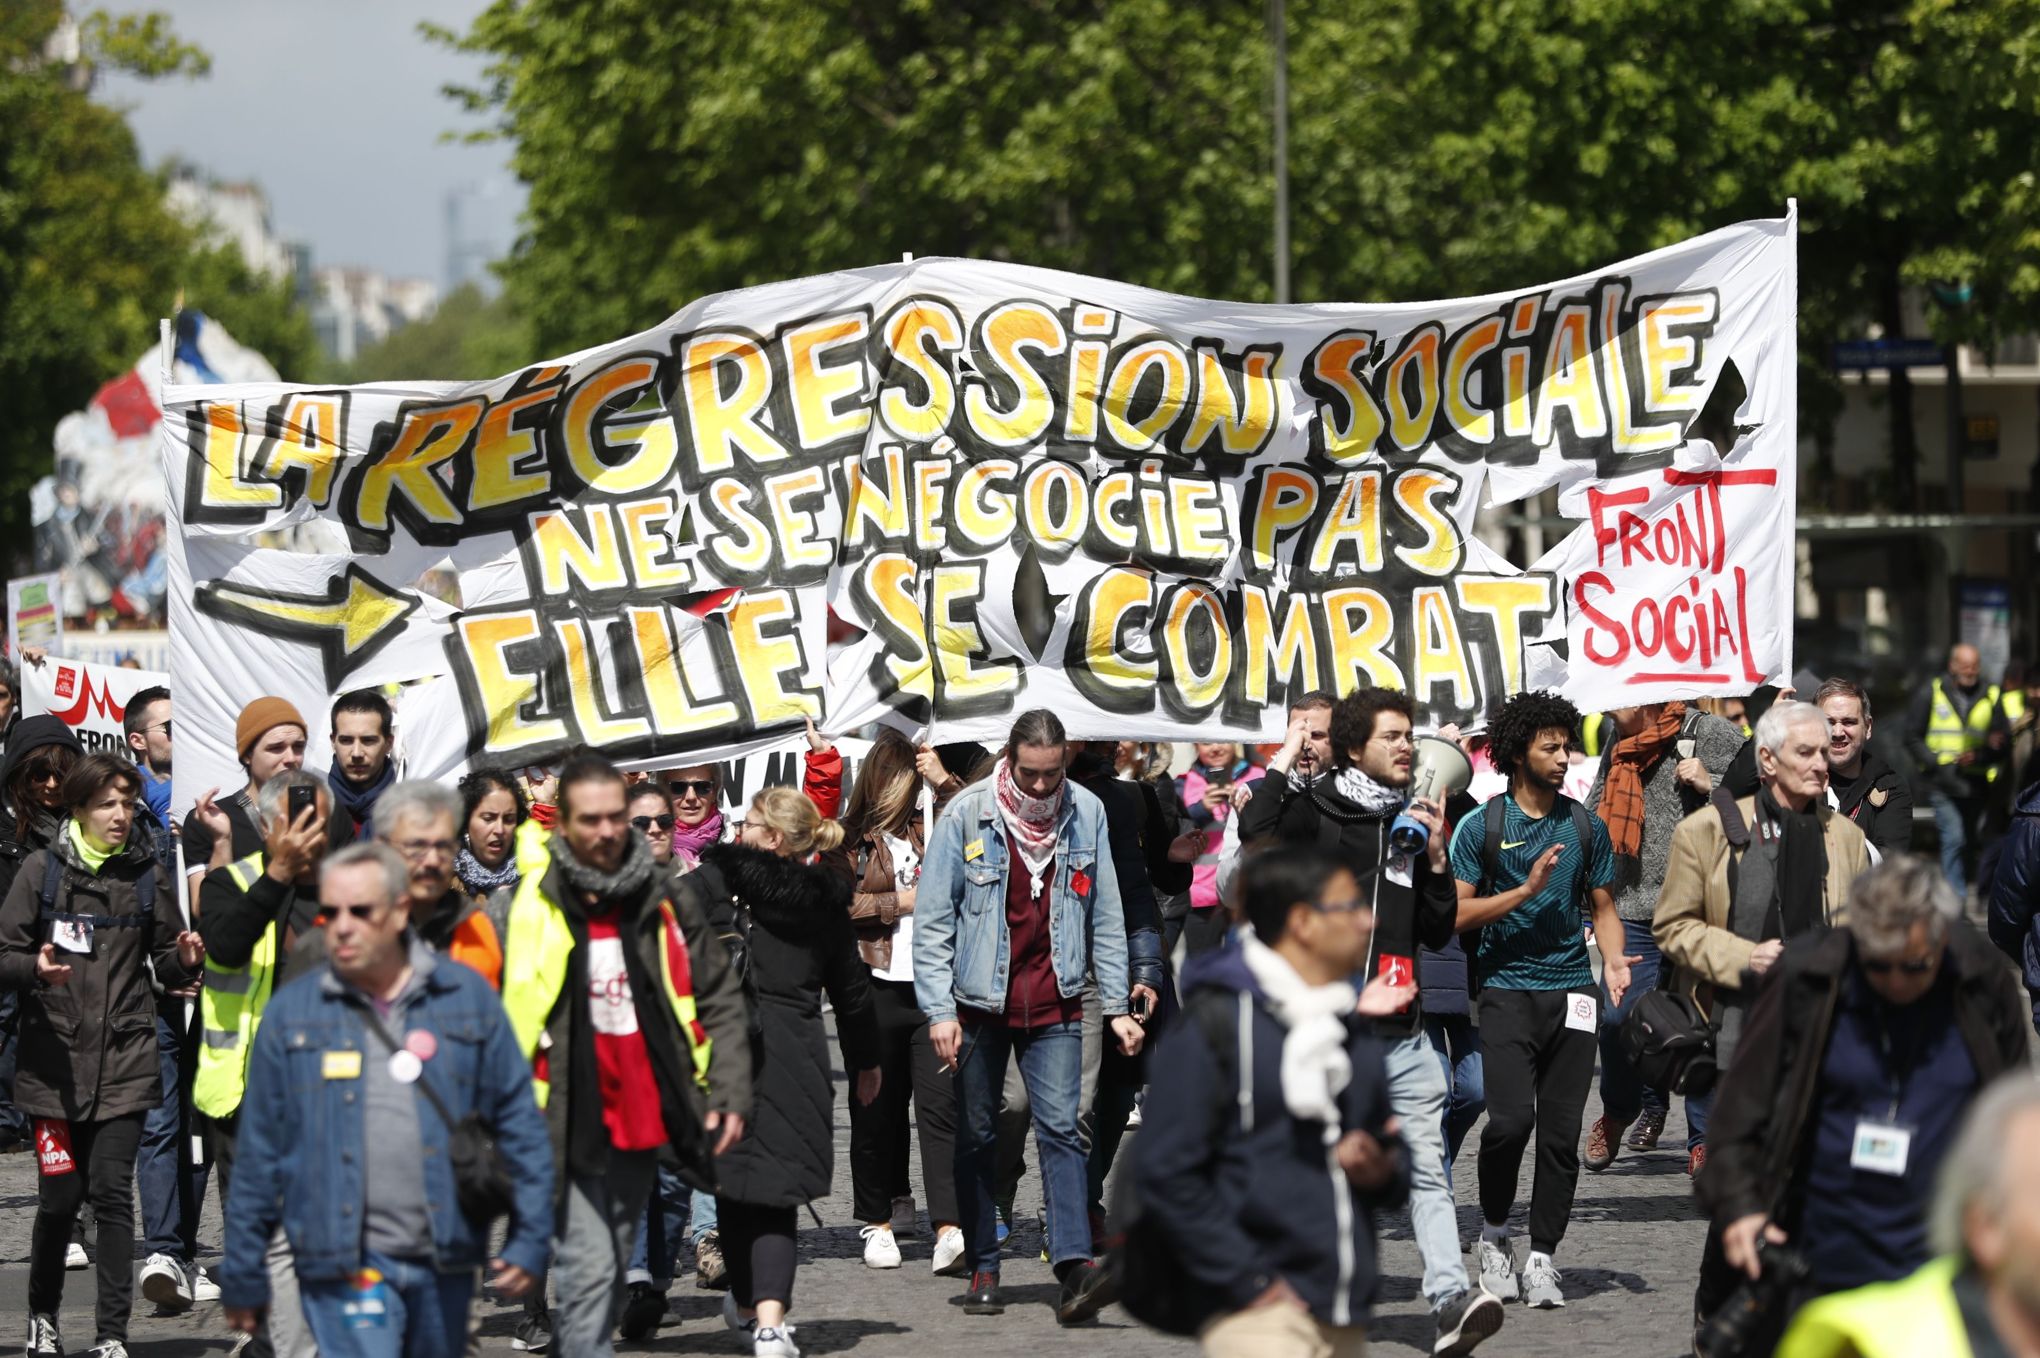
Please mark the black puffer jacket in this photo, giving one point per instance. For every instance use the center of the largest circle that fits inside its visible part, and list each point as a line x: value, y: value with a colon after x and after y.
x: 795, y: 923
x: 88, y: 1047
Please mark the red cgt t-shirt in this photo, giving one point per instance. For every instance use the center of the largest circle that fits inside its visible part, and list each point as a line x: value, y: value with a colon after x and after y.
x: 630, y: 1092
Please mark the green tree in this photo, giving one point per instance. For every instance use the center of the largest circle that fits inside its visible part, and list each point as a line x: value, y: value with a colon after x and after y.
x: 90, y: 256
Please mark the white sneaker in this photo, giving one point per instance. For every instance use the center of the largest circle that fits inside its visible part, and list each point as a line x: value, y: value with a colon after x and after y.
x: 75, y: 1257
x: 107, y: 1348
x: 1540, y: 1284
x: 774, y: 1343
x: 203, y: 1288
x: 880, y: 1249
x: 42, y: 1336
x: 165, y: 1283
x: 733, y: 1315
x: 1497, y: 1269
x: 949, y: 1252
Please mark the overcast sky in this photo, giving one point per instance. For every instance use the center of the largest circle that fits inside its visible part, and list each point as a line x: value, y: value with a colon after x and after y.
x: 334, y: 109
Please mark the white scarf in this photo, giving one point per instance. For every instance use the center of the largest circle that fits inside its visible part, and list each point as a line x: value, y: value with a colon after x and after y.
x: 1376, y: 799
x: 1315, y: 1066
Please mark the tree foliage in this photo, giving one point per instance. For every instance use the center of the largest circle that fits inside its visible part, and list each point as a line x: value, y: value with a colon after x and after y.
x: 470, y: 336
x: 90, y: 257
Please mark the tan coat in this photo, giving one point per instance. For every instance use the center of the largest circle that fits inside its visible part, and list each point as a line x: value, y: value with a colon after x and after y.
x: 1692, y: 925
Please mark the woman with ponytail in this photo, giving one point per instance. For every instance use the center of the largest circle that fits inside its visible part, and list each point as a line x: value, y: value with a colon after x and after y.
x: 790, y: 919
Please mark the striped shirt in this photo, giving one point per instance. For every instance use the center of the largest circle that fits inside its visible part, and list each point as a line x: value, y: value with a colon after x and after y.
x: 1538, y: 945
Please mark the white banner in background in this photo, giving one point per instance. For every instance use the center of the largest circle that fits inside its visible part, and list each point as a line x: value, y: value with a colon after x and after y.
x: 90, y: 699
x: 1159, y: 516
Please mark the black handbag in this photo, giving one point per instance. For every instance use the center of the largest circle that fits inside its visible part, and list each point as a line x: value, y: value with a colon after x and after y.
x: 481, y: 1184
x: 1670, y: 1043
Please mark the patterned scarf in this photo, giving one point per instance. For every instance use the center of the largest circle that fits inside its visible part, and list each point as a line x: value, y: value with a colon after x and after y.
x: 690, y: 840
x: 1628, y: 764
x: 1031, y: 821
x: 359, y: 802
x: 1376, y: 799
x: 480, y: 879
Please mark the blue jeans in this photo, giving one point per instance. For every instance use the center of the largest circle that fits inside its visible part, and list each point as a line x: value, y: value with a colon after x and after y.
x: 1051, y: 1066
x: 172, y: 1190
x: 662, y: 1232
x: 1418, y: 1092
x: 1457, y: 1043
x: 1951, y: 828
x: 1623, y: 1092
x: 424, y: 1313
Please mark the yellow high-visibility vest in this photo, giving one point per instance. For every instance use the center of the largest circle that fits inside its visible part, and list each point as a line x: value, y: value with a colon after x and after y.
x: 536, y: 946
x: 1592, y: 730
x: 1914, y: 1316
x: 1950, y: 736
x: 230, y: 1006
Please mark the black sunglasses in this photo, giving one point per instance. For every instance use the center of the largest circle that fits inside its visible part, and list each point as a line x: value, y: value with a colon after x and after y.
x: 701, y: 787
x: 647, y: 822
x: 1916, y: 966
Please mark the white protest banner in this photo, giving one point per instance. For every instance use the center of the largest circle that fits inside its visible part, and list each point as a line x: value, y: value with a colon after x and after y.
x: 90, y: 699
x: 1159, y: 516
x: 33, y: 615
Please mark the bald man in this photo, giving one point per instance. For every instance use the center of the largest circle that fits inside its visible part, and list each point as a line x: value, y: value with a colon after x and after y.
x: 1960, y: 737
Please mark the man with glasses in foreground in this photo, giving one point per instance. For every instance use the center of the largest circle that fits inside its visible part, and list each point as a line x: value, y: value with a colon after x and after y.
x: 1861, y: 1055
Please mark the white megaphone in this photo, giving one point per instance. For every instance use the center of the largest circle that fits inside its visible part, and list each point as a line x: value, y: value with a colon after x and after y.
x: 1438, y: 770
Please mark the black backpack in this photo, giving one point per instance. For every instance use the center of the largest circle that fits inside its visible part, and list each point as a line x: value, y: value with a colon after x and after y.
x: 1149, y: 1273
x: 1670, y: 1043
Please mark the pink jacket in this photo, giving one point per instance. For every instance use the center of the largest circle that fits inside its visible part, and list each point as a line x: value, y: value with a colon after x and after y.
x: 1204, y: 878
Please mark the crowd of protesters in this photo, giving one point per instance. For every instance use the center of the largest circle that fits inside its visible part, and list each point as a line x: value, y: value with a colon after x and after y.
x: 560, y: 1033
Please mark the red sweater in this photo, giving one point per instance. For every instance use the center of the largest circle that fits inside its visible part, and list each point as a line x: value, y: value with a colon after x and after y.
x: 1033, y: 999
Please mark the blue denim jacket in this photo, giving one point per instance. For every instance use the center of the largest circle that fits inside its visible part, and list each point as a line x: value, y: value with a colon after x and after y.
x: 299, y: 1149
x: 963, y: 954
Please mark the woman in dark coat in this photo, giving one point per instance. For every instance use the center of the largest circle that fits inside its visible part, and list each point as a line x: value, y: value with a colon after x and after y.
x: 791, y: 920
x: 89, y: 1068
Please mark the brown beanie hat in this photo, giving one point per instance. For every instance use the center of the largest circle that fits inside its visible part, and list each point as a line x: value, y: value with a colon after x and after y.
x: 264, y: 714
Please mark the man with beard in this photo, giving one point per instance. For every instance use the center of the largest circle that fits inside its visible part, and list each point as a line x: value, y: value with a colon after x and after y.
x: 1538, y: 1002
x: 362, y: 739
x: 1414, y: 904
x: 633, y: 1017
x: 1860, y: 784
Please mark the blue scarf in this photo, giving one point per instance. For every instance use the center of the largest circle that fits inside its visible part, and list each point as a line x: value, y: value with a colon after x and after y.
x: 360, y: 802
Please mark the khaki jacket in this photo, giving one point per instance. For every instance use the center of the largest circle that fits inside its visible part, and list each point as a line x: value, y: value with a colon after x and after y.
x: 1692, y: 924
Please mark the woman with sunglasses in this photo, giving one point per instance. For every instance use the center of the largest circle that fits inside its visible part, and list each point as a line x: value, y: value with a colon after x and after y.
x: 696, y: 790
x: 493, y: 807
x: 791, y: 918
x: 881, y: 855
x: 41, y: 751
x: 87, y: 920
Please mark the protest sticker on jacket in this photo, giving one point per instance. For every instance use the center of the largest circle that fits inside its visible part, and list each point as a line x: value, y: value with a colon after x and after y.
x: 1010, y: 487
x: 90, y: 699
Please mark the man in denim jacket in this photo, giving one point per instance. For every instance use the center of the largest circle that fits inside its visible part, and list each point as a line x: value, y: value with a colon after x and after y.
x: 1017, y: 904
x: 341, y: 1146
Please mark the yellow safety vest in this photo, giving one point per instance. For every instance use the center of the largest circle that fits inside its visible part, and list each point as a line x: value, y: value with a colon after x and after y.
x: 536, y: 946
x: 1910, y: 1318
x: 1949, y: 737
x: 1590, y: 733
x: 230, y: 1005
x: 2014, y: 703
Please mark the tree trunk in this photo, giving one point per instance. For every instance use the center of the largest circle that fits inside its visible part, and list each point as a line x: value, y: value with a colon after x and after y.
x: 1905, y: 448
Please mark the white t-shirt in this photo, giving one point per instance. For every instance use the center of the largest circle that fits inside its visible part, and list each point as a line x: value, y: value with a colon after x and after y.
x: 906, y: 871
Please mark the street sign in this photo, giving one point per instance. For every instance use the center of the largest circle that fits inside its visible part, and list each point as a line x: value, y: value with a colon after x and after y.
x: 1866, y: 354
x: 1981, y: 436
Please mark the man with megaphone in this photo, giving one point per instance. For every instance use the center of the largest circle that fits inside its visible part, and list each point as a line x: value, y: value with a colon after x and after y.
x: 1380, y: 811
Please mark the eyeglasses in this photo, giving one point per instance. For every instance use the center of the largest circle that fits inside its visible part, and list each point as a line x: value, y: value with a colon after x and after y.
x: 647, y: 822
x: 749, y: 824
x: 700, y: 787
x: 360, y: 912
x: 421, y: 848
x: 163, y: 726
x: 1911, y: 966
x: 1394, y: 738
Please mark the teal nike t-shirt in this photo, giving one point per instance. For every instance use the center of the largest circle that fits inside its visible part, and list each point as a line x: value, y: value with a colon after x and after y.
x: 1538, y: 945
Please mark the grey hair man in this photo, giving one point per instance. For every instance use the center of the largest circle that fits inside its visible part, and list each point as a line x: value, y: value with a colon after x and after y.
x: 420, y: 819
x: 1746, y: 877
x: 1858, y: 1060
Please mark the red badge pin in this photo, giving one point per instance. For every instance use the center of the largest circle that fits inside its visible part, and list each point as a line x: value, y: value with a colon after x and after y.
x: 1080, y: 882
x: 421, y: 1044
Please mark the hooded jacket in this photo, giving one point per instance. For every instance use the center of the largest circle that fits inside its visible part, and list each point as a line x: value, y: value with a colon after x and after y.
x: 794, y: 922
x: 88, y: 1047
x: 22, y: 835
x: 1244, y: 1191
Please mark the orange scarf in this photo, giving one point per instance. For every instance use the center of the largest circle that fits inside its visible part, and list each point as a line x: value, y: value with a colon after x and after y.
x: 1622, y: 790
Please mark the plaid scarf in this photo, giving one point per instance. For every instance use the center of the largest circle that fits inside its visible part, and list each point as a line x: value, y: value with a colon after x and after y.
x: 1629, y: 763
x: 1031, y: 821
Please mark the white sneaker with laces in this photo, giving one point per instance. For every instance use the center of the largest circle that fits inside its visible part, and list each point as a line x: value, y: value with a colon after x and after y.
x: 42, y: 1336
x: 1497, y: 1269
x: 773, y: 1342
x: 949, y: 1252
x: 75, y: 1257
x: 1540, y: 1284
x: 165, y: 1283
x: 733, y: 1315
x: 110, y: 1348
x: 203, y: 1288
x: 880, y: 1249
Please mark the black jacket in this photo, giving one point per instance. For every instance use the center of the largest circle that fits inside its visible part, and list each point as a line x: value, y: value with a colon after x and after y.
x: 1241, y: 1188
x: 1763, y: 1111
x: 1134, y: 824
x: 1880, y: 802
x: 1407, y: 919
x: 88, y: 1047
x: 2014, y: 904
x: 22, y: 835
x: 794, y: 923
